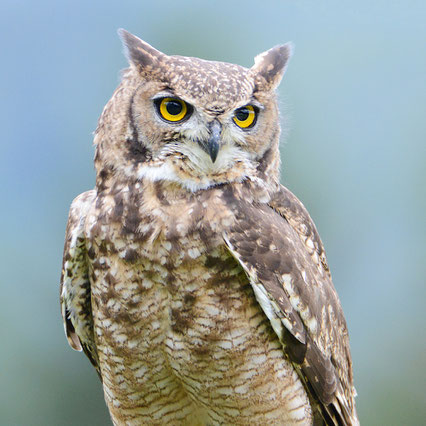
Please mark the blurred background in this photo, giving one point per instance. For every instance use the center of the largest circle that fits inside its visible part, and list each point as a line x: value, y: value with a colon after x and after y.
x: 353, y: 107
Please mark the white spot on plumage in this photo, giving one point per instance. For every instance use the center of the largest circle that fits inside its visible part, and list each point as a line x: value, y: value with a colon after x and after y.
x: 312, y: 325
x: 120, y: 338
x: 259, y: 359
x: 212, y: 310
x: 194, y: 252
x: 310, y: 243
x: 106, y: 322
x: 295, y: 301
x: 132, y: 344
x: 225, y: 344
x: 242, y: 389
x: 141, y: 371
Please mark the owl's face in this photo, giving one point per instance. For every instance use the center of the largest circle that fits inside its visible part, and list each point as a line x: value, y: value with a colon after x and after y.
x: 193, y: 122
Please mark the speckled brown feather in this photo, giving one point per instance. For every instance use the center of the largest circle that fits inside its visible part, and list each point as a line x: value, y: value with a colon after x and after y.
x: 75, y: 294
x: 293, y: 272
x: 198, y: 289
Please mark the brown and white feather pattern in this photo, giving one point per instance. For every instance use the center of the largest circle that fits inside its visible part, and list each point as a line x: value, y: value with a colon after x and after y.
x: 178, y: 332
x: 198, y: 286
x: 75, y: 294
x: 297, y: 296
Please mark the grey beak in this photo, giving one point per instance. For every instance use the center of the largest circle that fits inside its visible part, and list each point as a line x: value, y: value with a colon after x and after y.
x: 213, y: 143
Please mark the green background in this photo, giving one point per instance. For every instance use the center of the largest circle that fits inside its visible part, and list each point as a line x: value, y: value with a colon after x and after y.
x: 353, y: 105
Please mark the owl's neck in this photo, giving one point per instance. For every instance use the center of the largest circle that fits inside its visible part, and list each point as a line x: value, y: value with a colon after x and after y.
x: 191, y: 179
x: 182, y: 178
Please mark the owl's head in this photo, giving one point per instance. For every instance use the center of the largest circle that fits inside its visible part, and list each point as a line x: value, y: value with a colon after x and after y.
x: 190, y: 121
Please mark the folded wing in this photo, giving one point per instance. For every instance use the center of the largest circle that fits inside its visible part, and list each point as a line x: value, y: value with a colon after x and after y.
x: 281, y: 252
x: 75, y: 294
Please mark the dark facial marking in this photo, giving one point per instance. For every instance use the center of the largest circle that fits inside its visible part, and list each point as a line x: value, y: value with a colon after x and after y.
x: 136, y: 151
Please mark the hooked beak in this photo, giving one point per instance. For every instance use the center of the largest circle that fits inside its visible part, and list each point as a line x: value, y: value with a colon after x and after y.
x: 213, y: 142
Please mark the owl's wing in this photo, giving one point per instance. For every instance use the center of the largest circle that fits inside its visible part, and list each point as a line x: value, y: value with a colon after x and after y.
x: 280, y: 250
x: 75, y: 285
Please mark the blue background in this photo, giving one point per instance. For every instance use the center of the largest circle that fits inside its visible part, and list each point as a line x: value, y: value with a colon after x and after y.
x: 353, y: 105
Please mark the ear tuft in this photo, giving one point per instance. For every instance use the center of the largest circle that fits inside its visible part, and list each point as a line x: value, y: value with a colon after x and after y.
x: 269, y: 66
x: 139, y: 53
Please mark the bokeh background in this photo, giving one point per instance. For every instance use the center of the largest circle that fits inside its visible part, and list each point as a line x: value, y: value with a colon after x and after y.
x: 354, y: 112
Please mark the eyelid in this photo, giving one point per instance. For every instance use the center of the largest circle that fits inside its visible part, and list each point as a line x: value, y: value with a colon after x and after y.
x: 257, y: 105
x: 252, y: 102
x: 162, y: 95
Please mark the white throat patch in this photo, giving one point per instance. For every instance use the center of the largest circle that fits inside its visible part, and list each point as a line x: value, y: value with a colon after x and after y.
x: 208, y: 173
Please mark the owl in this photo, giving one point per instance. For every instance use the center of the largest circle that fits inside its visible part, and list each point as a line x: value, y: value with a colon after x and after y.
x: 195, y: 283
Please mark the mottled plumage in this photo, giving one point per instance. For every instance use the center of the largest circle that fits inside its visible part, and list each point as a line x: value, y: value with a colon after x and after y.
x: 196, y: 284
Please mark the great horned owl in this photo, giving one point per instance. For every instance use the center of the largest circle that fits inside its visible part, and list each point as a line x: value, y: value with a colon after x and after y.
x: 196, y: 284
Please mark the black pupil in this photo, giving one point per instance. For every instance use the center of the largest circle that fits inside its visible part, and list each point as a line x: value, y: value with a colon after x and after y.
x: 242, y: 114
x: 174, y: 107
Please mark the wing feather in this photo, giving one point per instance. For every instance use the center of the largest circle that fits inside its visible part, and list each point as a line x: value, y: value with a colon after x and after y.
x: 280, y: 250
x: 75, y: 294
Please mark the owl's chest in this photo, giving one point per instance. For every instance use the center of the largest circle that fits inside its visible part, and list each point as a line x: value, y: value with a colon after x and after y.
x: 174, y: 315
x: 177, y: 312
x: 166, y: 285
x: 164, y: 290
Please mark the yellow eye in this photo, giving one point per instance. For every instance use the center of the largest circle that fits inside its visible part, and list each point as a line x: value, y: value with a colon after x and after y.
x: 245, y: 116
x: 172, y: 109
